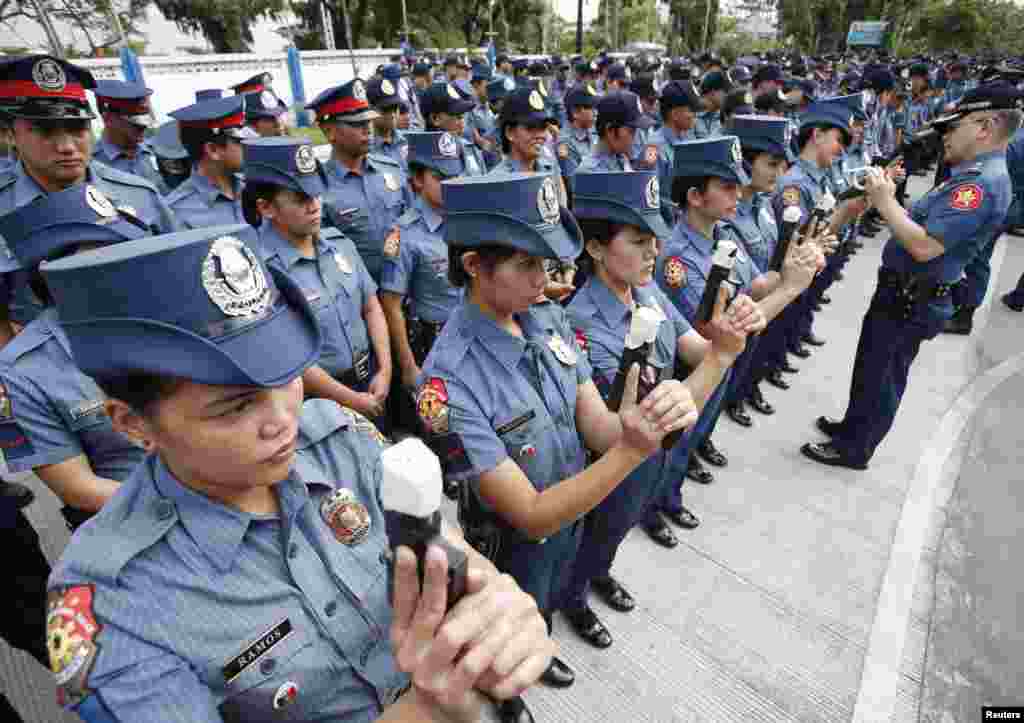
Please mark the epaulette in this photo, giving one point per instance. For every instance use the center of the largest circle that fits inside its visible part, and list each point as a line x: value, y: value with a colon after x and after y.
x: 127, y: 179
x: 411, y: 216
x: 7, y: 178
x: 331, y: 232
x: 318, y: 419
x: 183, y: 190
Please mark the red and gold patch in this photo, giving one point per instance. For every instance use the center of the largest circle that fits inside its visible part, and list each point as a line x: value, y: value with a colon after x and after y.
x: 791, y: 196
x: 393, y: 244
x: 581, y: 339
x: 432, y: 406
x: 675, y: 272
x: 71, y: 631
x: 651, y: 155
x: 966, y: 197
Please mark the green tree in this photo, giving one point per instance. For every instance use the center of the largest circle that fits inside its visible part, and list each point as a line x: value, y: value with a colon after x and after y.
x: 226, y: 24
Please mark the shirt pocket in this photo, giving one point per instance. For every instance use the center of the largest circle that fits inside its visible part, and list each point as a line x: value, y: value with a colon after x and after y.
x: 527, y: 436
x: 287, y: 682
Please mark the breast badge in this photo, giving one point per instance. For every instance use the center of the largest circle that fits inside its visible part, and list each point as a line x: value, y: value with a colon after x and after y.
x: 966, y: 197
x: 674, y: 272
x: 432, y: 406
x: 562, y: 351
x: 393, y: 244
x: 346, y: 516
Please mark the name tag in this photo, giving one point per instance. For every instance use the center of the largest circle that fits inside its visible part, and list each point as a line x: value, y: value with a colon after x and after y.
x: 85, y: 408
x: 516, y: 423
x: 260, y: 647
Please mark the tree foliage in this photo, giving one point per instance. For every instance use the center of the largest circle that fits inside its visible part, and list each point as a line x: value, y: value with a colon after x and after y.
x: 226, y: 24
x: 89, y: 21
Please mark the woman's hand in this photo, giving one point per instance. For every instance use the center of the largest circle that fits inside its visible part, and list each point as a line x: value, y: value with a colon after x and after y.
x: 668, y: 407
x: 493, y: 640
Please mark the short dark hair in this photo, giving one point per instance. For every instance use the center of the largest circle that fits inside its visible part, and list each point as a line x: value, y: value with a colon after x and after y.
x: 253, y: 191
x: 193, y: 140
x: 139, y: 390
x: 594, y: 229
x: 491, y: 254
x: 681, y: 186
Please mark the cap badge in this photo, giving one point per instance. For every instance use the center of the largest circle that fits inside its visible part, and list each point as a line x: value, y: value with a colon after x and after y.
x: 590, y: 89
x: 452, y: 93
x: 268, y: 99
x: 386, y: 88
x: 49, y: 75
x: 447, y: 146
x: 305, y: 160
x: 536, y: 102
x: 510, y: 85
x: 234, y: 279
x: 358, y: 90
x: 748, y: 98
x: 344, y: 265
x: 737, y: 153
x: 652, y: 195
x: 391, y: 182
x: 542, y: 89
x: 347, y: 517
x: 267, y: 79
x: 98, y: 202
x: 547, y: 201
x: 562, y: 351
x: 639, y: 106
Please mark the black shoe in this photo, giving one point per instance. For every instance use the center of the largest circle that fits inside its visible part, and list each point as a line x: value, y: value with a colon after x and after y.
x: 827, y: 425
x: 17, y: 495
x: 868, y: 234
x: 589, y: 627
x: 514, y: 710
x: 661, y: 533
x: 682, y: 517
x: 776, y: 380
x: 710, y: 453
x: 738, y: 414
x: 698, y: 472
x: 962, y: 321
x: 1011, y: 303
x: 617, y: 597
x: 838, y: 275
x: 799, y: 350
x: 1015, y: 231
x: 758, y: 402
x: 810, y: 338
x: 787, y: 367
x: 827, y: 454
x: 825, y: 299
x: 815, y: 306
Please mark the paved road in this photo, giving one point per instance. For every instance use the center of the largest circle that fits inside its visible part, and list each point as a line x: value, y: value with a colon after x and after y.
x: 766, y: 611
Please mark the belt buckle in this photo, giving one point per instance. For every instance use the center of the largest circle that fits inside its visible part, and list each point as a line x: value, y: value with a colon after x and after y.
x: 361, y: 366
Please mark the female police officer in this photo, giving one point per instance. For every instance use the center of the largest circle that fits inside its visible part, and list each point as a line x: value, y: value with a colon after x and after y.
x: 620, y: 215
x: 284, y: 184
x: 507, y: 396
x: 53, y: 417
x: 229, y: 578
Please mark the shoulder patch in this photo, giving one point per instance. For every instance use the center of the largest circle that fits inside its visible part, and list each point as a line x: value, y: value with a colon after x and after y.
x: 791, y: 196
x: 384, y: 159
x: 966, y: 197
x: 432, y: 406
x: 674, y: 272
x: 393, y: 244
x: 71, y: 630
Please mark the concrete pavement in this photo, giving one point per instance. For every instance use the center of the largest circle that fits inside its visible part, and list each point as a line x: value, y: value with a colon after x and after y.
x: 766, y: 611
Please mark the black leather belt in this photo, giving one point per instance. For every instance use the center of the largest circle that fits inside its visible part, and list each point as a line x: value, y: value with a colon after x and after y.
x: 922, y: 286
x: 359, y: 373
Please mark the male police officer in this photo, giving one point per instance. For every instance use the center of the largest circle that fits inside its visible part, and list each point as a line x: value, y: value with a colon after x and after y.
x: 926, y: 254
x: 211, y: 133
x: 51, y: 117
x: 126, y: 115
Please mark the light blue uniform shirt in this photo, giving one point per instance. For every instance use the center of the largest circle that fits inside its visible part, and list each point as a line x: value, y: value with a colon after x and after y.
x: 574, y: 146
x: 202, y: 613
x: 397, y: 148
x: 336, y: 284
x: 420, y: 271
x: 754, y: 229
x: 143, y: 164
x: 602, y: 160
x: 198, y: 203
x: 964, y: 213
x: 365, y: 205
x: 53, y: 411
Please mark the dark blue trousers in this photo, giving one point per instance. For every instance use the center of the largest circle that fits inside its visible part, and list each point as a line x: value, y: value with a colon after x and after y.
x: 970, y: 292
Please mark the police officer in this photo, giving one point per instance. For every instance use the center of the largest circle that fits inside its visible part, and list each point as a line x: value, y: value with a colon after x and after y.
x: 767, y: 80
x: 507, y: 395
x: 265, y: 113
x: 714, y: 87
x: 578, y: 139
x: 283, y: 200
x: 927, y: 252
x: 679, y: 105
x: 481, y: 121
x: 126, y: 113
x: 172, y: 159
x: 257, y: 537
x: 387, y: 139
x: 50, y: 121
x: 645, y: 153
x: 619, y: 117
x: 366, y: 191
x: 620, y: 218
x: 416, y: 293
x: 523, y: 127
x: 211, y: 133
x: 55, y: 421
x: 445, y: 109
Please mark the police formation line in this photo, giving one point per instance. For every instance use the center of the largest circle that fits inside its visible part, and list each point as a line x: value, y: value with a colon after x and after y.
x: 558, y: 286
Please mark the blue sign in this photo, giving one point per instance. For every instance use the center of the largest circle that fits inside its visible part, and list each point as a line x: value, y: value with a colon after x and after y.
x: 870, y: 34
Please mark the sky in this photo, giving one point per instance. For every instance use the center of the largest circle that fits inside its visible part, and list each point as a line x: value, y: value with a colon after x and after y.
x: 164, y: 37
